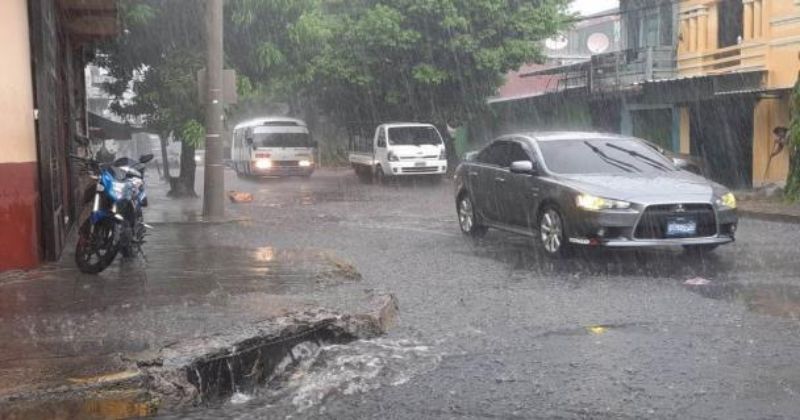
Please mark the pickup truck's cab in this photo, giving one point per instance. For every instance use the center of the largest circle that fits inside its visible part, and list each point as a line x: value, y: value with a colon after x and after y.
x: 399, y: 149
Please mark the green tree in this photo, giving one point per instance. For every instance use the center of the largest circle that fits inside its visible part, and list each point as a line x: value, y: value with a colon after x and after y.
x: 157, y: 57
x: 370, y: 60
x: 793, y: 179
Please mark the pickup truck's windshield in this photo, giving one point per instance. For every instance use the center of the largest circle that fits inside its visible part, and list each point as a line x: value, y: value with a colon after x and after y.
x: 282, y: 140
x: 414, y: 136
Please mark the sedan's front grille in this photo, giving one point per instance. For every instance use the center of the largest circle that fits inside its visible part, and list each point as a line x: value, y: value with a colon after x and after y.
x: 655, y: 220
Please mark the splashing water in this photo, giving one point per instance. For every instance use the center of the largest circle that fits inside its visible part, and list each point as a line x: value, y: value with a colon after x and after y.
x: 330, y: 370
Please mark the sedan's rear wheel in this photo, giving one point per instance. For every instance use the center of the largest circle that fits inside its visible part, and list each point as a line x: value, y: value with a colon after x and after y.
x: 466, y: 218
x: 551, y: 233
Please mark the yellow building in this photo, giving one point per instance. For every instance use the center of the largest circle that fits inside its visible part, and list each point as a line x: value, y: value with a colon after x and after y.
x: 759, y: 39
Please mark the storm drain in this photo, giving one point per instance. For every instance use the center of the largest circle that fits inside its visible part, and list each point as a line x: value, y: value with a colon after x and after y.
x: 253, y: 363
x: 210, y: 370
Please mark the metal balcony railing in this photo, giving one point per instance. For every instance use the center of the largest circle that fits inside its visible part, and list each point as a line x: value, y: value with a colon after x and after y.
x: 615, y: 70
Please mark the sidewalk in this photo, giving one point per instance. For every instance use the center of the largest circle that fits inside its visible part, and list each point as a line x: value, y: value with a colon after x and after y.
x: 767, y: 208
x: 63, y: 329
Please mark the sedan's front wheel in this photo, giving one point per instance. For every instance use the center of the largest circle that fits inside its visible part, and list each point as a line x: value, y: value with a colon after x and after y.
x: 466, y: 218
x: 552, y: 235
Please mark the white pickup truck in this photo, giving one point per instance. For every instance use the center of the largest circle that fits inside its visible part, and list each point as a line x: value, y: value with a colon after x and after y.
x: 399, y: 149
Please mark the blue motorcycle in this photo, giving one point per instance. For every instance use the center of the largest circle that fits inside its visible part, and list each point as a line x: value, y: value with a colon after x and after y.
x: 115, y: 224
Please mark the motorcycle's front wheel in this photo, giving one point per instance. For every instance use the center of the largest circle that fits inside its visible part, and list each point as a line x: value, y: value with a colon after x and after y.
x: 96, y: 249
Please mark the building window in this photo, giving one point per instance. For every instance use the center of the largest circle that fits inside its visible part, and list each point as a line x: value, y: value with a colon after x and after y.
x: 649, y: 31
x: 731, y: 22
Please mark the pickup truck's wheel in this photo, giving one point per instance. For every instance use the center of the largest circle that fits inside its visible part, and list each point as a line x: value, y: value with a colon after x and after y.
x: 364, y: 175
x: 552, y: 235
x: 467, y: 219
x: 380, y: 178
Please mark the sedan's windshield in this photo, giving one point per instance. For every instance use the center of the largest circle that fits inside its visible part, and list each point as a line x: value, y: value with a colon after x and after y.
x: 602, y: 156
x: 414, y: 136
x: 282, y: 140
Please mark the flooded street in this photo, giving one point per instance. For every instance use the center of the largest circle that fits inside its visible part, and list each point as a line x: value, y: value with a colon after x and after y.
x: 417, y: 209
x: 491, y: 328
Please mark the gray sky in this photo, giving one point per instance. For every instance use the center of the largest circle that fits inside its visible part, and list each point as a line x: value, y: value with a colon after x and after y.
x: 587, y: 7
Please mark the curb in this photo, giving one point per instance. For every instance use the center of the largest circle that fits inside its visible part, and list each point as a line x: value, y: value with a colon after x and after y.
x: 770, y: 217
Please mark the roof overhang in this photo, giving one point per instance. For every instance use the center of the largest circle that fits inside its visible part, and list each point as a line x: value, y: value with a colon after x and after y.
x: 89, y: 20
x: 690, y: 88
x: 103, y: 128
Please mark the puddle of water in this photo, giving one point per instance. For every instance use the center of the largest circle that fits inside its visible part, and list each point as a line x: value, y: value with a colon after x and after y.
x: 117, y: 405
x: 593, y: 329
x: 105, y: 378
x: 780, y: 300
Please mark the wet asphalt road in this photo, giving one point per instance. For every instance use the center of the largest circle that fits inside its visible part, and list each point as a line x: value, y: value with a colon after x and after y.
x: 600, y: 335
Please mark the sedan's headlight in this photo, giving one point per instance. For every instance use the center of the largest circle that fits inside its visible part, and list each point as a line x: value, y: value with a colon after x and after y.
x: 727, y: 200
x: 305, y: 163
x: 590, y: 202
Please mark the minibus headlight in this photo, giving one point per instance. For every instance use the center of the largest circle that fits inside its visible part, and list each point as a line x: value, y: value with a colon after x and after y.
x: 263, y: 164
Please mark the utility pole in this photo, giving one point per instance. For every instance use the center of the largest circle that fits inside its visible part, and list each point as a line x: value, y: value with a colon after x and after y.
x: 214, y: 185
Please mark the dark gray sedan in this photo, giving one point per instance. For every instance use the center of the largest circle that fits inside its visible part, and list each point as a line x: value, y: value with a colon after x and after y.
x: 590, y: 189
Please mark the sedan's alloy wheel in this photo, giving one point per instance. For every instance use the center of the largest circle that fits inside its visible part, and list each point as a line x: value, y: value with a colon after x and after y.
x: 551, y: 230
x: 465, y: 215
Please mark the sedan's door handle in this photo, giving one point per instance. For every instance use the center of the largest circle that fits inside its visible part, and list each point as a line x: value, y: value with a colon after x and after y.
x: 500, y: 179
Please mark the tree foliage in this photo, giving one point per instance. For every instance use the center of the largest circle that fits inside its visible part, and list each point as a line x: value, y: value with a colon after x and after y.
x: 157, y: 57
x: 368, y: 60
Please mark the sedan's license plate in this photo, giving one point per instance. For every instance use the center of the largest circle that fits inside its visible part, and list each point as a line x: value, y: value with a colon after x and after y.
x: 418, y: 164
x: 681, y: 227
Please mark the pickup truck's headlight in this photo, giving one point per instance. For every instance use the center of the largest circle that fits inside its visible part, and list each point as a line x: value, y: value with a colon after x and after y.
x: 727, y: 200
x: 590, y: 202
x: 392, y: 157
x: 443, y: 154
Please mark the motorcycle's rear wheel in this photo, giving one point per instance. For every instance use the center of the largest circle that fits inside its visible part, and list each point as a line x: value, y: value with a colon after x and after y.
x: 96, y: 249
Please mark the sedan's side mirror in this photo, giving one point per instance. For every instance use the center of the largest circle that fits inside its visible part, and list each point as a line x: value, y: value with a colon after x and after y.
x: 249, y: 141
x: 146, y: 158
x: 523, y: 167
x: 687, y: 165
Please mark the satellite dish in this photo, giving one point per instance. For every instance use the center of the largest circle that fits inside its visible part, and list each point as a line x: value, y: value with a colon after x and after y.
x: 598, y: 42
x: 557, y: 42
